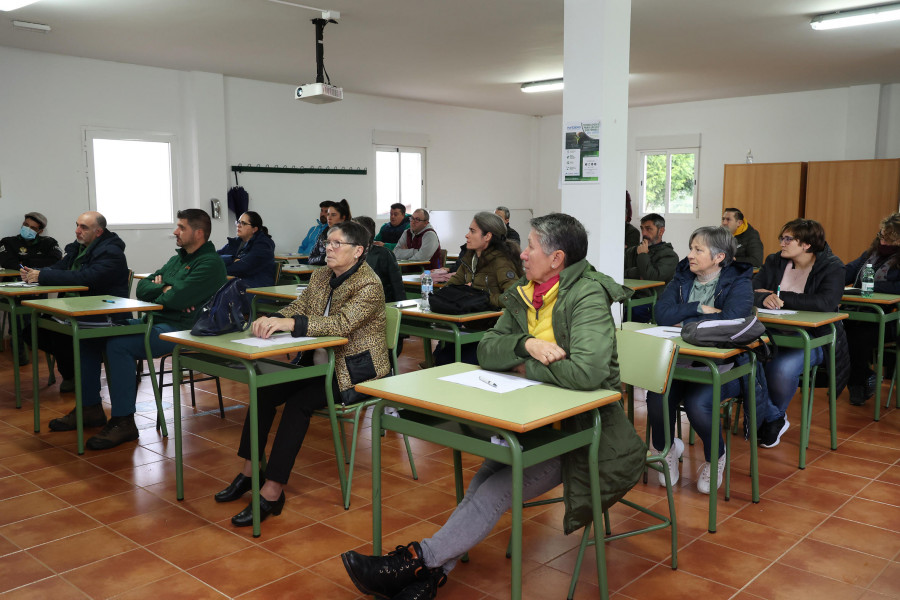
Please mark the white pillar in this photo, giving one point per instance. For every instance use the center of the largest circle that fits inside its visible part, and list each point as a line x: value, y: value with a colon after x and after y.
x: 597, y: 44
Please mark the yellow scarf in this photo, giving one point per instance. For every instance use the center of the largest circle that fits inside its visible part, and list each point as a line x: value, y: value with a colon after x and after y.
x: 742, y: 228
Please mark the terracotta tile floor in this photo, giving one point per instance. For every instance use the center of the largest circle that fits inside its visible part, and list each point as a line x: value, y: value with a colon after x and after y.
x: 107, y: 525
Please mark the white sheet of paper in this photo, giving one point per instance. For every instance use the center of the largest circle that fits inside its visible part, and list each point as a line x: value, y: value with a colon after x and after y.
x: 275, y: 340
x: 19, y: 284
x: 663, y: 332
x: 479, y: 378
x: 776, y: 311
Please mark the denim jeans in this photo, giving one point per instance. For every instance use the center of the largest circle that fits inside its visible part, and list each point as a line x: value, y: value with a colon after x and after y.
x: 122, y: 352
x: 783, y: 374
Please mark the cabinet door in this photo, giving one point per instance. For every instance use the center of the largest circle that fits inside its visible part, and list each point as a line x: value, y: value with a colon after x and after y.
x: 769, y: 195
x: 849, y: 198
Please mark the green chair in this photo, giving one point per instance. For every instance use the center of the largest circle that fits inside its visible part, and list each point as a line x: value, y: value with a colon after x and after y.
x: 353, y: 413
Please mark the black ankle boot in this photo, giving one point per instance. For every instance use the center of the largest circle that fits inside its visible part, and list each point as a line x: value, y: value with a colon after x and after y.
x: 424, y: 589
x: 240, y: 486
x: 266, y: 508
x: 388, y: 575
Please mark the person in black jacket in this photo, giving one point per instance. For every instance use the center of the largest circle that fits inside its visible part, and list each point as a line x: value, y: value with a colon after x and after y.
x: 749, y: 245
x: 805, y: 275
x: 884, y: 256
x: 29, y: 248
x: 384, y: 264
x: 251, y: 254
x: 338, y: 213
x: 95, y: 259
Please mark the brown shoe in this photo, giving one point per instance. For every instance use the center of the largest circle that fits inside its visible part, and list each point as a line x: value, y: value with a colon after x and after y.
x: 118, y: 431
x: 93, y: 417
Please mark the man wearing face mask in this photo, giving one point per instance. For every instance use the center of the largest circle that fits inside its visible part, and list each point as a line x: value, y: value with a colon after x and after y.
x: 29, y: 248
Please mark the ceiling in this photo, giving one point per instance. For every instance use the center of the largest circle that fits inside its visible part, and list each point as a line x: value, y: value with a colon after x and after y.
x: 473, y: 53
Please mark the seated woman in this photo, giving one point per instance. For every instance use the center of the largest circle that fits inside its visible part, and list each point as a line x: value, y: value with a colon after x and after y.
x: 251, y: 255
x: 344, y: 300
x: 338, y: 213
x: 491, y: 263
x: 862, y: 337
x: 708, y: 284
x: 805, y: 275
x: 558, y: 329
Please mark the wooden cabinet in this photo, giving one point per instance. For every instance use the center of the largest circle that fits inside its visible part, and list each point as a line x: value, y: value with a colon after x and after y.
x: 849, y: 198
x: 769, y: 195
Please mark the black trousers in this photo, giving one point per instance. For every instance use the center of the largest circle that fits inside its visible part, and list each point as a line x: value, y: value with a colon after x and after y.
x: 51, y: 342
x: 862, y: 339
x: 300, y: 399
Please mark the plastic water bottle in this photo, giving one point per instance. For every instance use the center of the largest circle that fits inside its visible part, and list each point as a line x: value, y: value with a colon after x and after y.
x: 868, y: 281
x: 427, y: 288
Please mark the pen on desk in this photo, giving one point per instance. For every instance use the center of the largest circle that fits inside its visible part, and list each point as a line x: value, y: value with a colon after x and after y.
x: 778, y: 292
x: 110, y: 301
x: 484, y: 379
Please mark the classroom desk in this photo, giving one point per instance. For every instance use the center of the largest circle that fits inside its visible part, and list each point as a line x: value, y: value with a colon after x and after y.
x: 146, y: 275
x: 798, y: 324
x: 289, y: 256
x: 445, y: 413
x: 10, y: 302
x: 871, y: 310
x: 8, y: 273
x: 412, y: 284
x: 435, y: 326
x: 221, y: 356
x: 710, y: 357
x: 70, y: 309
x: 409, y: 266
x: 276, y: 296
x: 640, y: 284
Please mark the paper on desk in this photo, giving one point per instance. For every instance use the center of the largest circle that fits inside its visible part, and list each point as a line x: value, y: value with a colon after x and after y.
x: 19, y: 284
x: 663, y: 332
x: 275, y: 340
x: 476, y: 379
x: 776, y: 311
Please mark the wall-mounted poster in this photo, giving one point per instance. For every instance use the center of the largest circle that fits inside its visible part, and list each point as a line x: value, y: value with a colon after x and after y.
x: 581, y: 152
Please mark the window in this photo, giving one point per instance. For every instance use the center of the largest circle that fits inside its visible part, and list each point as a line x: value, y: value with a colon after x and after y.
x: 399, y: 177
x: 669, y: 181
x: 131, y: 177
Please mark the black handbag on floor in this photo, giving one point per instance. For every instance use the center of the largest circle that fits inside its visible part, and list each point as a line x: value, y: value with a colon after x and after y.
x: 459, y: 300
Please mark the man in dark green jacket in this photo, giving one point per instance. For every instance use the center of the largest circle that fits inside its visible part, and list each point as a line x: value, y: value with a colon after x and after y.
x: 182, y: 285
x: 651, y: 260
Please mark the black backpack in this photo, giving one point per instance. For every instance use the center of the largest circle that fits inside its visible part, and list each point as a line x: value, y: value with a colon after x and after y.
x: 459, y: 300
x: 223, y: 312
x: 730, y: 333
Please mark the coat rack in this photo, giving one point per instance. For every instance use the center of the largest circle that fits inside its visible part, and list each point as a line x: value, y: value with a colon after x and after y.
x: 294, y: 169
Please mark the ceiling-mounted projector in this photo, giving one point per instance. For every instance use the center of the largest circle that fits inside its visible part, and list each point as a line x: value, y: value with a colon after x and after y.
x: 321, y: 91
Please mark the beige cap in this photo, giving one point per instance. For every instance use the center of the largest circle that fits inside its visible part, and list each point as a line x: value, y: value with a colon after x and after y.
x: 36, y: 216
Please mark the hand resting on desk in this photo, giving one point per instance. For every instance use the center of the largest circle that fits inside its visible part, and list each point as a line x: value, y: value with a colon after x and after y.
x: 264, y: 327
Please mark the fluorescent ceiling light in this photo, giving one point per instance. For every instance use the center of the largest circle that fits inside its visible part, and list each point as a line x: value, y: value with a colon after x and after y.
x: 861, y: 16
x: 548, y: 85
x: 38, y: 27
x: 14, y: 4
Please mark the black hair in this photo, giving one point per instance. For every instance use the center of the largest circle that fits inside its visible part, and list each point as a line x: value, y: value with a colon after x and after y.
x: 197, y: 218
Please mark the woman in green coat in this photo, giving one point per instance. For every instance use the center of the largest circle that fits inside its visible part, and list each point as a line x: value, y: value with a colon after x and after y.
x: 556, y: 328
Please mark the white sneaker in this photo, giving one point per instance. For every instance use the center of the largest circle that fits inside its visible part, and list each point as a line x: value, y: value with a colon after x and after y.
x: 675, y: 452
x: 703, y: 479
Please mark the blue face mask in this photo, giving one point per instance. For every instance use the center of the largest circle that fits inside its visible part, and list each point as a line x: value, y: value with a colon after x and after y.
x: 27, y: 232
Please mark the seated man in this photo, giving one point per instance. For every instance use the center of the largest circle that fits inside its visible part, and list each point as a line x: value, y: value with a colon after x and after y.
x: 182, y: 285
x: 652, y: 260
x: 749, y: 246
x: 511, y: 234
x: 420, y: 241
x: 29, y: 248
x: 390, y: 232
x: 312, y: 235
x: 95, y: 259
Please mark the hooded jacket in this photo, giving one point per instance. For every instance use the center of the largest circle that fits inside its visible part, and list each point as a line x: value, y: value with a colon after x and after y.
x: 583, y: 326
x: 312, y: 235
x: 750, y: 247
x: 102, y: 268
x: 733, y: 296
x: 494, y: 272
x: 254, y: 263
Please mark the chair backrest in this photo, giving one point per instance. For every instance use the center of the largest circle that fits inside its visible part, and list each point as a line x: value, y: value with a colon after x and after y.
x: 392, y: 333
x: 130, y: 280
x: 278, y: 266
x: 646, y: 361
x: 443, y: 257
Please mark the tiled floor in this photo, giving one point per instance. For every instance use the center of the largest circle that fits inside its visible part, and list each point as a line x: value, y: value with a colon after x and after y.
x: 107, y: 524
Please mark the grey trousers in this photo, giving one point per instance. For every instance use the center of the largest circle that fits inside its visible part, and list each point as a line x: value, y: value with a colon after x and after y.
x: 488, y: 497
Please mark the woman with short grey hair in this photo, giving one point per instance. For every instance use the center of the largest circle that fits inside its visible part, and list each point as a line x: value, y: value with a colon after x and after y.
x: 707, y: 285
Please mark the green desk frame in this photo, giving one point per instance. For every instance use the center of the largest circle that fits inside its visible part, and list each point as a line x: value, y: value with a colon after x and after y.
x: 220, y: 356
x: 871, y: 310
x: 446, y: 328
x: 640, y: 284
x: 72, y: 308
x: 525, y: 448
x: 711, y: 358
x: 797, y: 325
x: 274, y: 296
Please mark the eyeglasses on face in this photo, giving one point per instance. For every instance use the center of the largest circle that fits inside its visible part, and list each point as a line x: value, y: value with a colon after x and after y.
x: 888, y: 237
x: 418, y: 220
x: 334, y: 244
x: 785, y: 240
x: 239, y: 223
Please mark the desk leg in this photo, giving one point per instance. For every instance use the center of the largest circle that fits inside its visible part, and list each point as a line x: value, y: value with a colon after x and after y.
x: 14, y: 338
x: 254, y: 445
x: 804, y: 399
x: 515, y: 451
x: 79, y: 409
x: 879, y: 364
x: 832, y: 396
x: 35, y: 378
x: 750, y: 407
x: 457, y: 342
x: 376, y: 478
x: 597, y: 507
x: 157, y: 393
x: 176, y: 409
x: 714, y: 447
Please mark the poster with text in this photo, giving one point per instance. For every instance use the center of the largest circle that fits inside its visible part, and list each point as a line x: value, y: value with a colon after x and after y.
x: 581, y: 152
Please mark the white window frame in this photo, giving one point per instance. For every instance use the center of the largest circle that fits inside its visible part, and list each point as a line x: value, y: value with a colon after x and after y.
x: 401, y: 149
x: 89, y: 134
x: 668, y: 152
